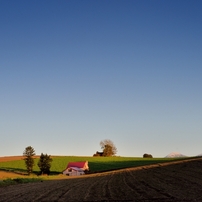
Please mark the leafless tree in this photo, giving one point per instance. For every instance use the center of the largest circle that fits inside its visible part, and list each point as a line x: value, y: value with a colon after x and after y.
x: 108, y: 147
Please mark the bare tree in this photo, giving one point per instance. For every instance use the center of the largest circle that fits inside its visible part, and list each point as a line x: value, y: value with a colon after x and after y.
x: 108, y: 147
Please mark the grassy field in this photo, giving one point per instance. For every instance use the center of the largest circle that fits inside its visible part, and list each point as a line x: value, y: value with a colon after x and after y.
x: 96, y: 164
x: 15, y: 170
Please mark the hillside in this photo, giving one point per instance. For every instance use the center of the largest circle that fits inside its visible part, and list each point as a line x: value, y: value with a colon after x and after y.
x: 171, y: 181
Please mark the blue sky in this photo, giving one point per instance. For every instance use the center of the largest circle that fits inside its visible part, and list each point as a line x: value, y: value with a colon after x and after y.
x: 73, y: 73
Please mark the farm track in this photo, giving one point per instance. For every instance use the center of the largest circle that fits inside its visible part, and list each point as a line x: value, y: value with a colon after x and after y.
x: 176, y: 181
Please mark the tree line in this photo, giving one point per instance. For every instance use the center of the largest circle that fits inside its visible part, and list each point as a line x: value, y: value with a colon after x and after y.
x: 44, y: 162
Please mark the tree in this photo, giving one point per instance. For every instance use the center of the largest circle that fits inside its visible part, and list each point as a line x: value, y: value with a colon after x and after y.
x: 29, y: 160
x: 44, y: 163
x: 108, y: 147
x: 147, y: 156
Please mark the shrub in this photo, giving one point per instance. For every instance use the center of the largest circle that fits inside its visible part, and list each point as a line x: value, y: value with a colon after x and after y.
x: 147, y: 156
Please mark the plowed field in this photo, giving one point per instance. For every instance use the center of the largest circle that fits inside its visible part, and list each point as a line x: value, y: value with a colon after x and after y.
x: 176, y: 181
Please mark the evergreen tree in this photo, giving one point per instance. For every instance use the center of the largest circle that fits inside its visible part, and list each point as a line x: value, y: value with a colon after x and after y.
x: 28, y: 153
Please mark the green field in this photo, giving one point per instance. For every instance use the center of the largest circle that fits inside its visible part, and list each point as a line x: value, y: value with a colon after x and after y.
x: 96, y: 164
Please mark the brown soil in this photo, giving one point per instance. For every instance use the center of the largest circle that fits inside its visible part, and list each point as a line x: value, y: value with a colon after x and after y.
x: 176, y: 181
x: 10, y: 158
x: 13, y: 158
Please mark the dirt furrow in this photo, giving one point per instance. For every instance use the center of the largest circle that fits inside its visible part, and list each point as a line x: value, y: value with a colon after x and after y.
x: 66, y: 192
x: 81, y: 191
x: 53, y: 191
x: 133, y: 186
x: 111, y: 187
x: 191, y: 176
x: 13, y: 192
x: 90, y: 192
x: 146, y: 188
x: 174, y: 184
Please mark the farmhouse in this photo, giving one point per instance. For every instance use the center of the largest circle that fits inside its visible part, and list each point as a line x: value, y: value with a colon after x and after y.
x: 98, y: 154
x: 76, y: 168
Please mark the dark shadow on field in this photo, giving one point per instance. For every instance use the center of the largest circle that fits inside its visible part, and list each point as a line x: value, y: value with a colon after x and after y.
x: 24, y: 171
x: 98, y: 167
x: 14, y: 170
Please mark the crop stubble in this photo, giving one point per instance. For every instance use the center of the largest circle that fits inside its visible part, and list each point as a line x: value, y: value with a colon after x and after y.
x: 176, y: 181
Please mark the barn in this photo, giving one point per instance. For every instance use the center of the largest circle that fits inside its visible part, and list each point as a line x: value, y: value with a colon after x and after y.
x: 76, y: 168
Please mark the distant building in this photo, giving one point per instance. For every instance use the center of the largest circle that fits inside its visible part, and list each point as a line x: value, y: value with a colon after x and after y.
x: 98, y: 154
x: 76, y: 168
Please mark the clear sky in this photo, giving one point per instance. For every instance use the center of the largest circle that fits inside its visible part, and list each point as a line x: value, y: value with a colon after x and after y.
x: 73, y: 73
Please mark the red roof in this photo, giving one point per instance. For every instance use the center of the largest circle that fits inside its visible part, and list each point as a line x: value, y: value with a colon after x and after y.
x: 82, y: 164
